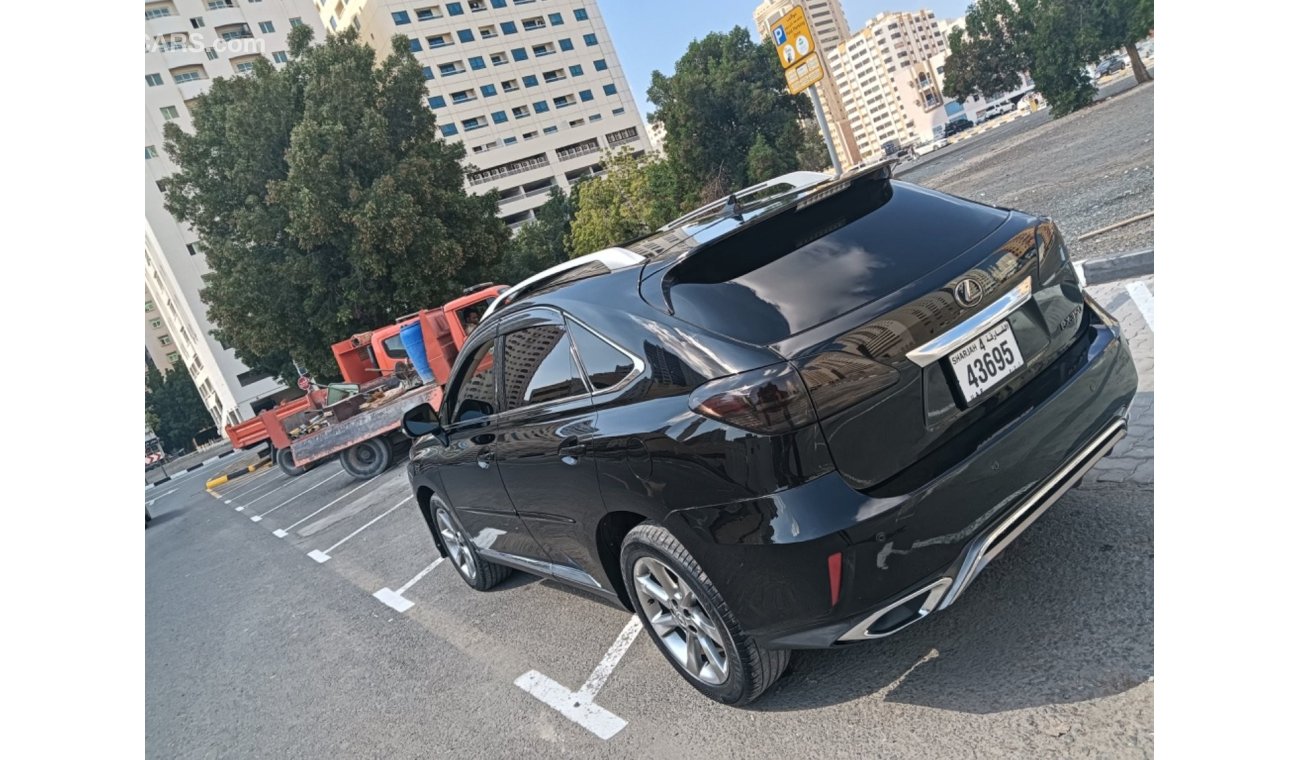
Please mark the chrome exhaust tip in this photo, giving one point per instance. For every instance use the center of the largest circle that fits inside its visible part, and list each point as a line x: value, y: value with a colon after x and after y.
x: 899, y: 615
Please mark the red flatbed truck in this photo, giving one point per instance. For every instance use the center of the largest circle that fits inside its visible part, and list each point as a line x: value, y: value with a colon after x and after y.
x: 362, y: 428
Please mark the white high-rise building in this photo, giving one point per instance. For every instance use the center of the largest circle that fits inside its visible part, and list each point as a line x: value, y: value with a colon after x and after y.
x: 188, y: 43
x: 830, y: 28
x: 533, y: 88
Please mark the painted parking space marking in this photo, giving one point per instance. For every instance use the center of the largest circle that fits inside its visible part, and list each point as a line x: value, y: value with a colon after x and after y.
x: 285, y: 484
x: 284, y: 532
x: 580, y: 706
x: 324, y: 556
x: 395, y: 599
x: 1145, y: 301
x: 247, y: 485
x: 258, y: 518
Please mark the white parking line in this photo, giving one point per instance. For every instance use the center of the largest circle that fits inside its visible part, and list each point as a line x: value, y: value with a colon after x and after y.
x: 395, y: 599
x: 324, y: 556
x: 285, y: 484
x: 245, y: 486
x: 283, y: 532
x: 580, y: 706
x: 1145, y: 301
x: 258, y: 518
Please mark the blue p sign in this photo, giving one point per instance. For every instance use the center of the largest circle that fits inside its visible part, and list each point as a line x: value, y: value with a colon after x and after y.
x: 778, y: 34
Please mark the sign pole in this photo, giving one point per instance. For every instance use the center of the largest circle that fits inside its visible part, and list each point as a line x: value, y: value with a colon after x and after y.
x: 826, y: 130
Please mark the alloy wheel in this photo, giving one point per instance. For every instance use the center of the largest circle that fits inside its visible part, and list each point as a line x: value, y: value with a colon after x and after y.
x: 678, y: 620
x: 456, y: 545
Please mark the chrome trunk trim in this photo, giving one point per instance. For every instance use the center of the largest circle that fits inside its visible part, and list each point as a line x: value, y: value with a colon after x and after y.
x: 970, y: 328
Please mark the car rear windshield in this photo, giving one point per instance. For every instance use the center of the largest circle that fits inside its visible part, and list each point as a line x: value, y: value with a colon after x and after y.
x: 803, y: 267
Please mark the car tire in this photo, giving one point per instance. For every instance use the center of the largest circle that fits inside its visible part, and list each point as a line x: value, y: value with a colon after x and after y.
x: 477, y: 572
x: 367, y: 459
x: 284, y: 460
x: 748, y: 669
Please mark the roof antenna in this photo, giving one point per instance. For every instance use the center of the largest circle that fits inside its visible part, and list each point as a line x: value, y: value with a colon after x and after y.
x: 732, y: 208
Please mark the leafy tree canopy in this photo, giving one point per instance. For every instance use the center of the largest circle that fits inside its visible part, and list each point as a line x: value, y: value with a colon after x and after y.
x: 635, y: 196
x: 173, y: 408
x: 325, y: 201
x: 541, y: 243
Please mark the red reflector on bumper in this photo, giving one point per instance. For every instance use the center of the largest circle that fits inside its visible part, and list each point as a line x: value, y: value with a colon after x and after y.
x: 833, y: 569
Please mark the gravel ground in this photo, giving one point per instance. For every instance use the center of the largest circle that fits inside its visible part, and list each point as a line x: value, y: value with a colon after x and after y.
x: 1087, y: 170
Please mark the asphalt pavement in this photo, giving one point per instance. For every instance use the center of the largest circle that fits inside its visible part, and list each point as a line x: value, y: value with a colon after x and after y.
x: 327, y: 627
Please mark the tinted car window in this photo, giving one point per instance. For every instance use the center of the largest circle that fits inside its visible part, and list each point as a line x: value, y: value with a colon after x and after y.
x: 539, y: 367
x: 606, y: 366
x: 477, y: 394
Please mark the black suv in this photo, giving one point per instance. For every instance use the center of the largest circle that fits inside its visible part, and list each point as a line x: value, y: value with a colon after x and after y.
x: 960, y: 124
x: 798, y: 422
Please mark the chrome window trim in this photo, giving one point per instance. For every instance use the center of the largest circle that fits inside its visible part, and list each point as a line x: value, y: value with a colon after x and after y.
x: 967, y: 330
x: 638, y: 366
x: 501, y: 333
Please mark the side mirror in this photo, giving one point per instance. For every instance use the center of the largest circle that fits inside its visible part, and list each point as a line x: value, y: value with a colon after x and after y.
x: 421, y: 421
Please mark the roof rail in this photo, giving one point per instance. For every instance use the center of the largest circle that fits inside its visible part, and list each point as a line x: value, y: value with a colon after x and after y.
x: 795, y: 181
x: 611, y: 258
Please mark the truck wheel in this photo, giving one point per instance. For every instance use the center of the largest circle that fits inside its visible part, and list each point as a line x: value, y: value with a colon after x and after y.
x: 367, y: 459
x: 284, y: 458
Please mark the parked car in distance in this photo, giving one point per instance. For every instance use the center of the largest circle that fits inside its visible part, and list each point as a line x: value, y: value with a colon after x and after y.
x: 804, y: 421
x: 959, y: 124
x: 1111, y: 65
x: 930, y: 147
x: 999, y: 109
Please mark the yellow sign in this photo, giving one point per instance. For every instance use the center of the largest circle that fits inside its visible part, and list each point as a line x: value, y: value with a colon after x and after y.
x: 805, y: 75
x: 793, y: 39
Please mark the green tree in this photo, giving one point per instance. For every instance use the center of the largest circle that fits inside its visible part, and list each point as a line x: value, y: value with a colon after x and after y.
x: 540, y: 243
x: 325, y: 201
x: 725, y: 93
x: 1051, y: 39
x: 635, y: 196
x: 173, y: 408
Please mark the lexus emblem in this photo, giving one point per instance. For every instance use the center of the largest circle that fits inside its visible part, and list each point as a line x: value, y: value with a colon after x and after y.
x: 968, y: 292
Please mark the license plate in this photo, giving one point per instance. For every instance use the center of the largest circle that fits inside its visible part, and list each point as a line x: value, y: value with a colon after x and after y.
x: 986, y: 361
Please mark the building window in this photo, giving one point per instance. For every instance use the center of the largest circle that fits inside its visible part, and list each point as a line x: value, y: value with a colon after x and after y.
x: 401, y: 17
x: 488, y: 90
x: 169, y: 113
x: 564, y: 101
x: 544, y: 49
x: 448, y: 130
x: 580, y: 14
x: 498, y: 3
x: 595, y: 117
x: 216, y: 5
x: 157, y: 12
x: 566, y: 44
x: 550, y: 130
x: 150, y: 152
x: 415, y: 45
x: 448, y: 69
x: 148, y: 306
x: 585, y: 95
x: 193, y: 249
x: 618, y: 111
x: 520, y: 112
x: 590, y: 39
x: 464, y: 96
x: 437, y: 41
x: 153, y: 80
x: 266, y: 26
x: 454, y: 9
x: 530, y: 135
x: 499, y: 59
x: 428, y: 14
x: 212, y: 53
x: 437, y: 101
x: 499, y: 117
x: 280, y: 56
x: 553, y: 76
x: 428, y: 72
x: 510, y: 140
x: 533, y: 24
x: 508, y: 27
x: 541, y: 107
x: 295, y: 21
x: 477, y: 5
x: 477, y: 63
x: 165, y: 340
x: 473, y: 123
x: 244, y: 68
x: 510, y: 85
x: 555, y: 19
x: 530, y: 80
x: 487, y: 32
x: 575, y: 70
x: 519, y: 54
x: 173, y: 357
x: 600, y: 64
x: 197, y: 22
x: 465, y: 35
x: 611, y: 89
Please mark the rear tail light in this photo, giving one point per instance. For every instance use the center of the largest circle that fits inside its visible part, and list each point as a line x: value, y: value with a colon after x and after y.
x: 767, y: 400
x: 837, y: 380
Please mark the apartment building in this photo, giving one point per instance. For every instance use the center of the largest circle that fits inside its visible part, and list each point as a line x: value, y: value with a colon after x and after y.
x: 885, y: 73
x: 830, y: 28
x: 533, y: 88
x: 189, y: 43
x: 158, y: 343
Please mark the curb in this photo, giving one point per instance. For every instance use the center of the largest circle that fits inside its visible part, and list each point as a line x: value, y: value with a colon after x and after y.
x: 226, y: 478
x: 1118, y: 267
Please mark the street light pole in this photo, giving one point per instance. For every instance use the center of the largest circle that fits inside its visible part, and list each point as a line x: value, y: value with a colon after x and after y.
x: 826, y: 130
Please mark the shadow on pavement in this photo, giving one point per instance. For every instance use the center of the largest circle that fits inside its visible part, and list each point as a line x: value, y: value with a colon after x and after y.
x: 1064, y: 615
x: 161, y: 517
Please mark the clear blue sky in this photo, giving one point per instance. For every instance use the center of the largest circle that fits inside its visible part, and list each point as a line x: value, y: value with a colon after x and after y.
x: 653, y: 35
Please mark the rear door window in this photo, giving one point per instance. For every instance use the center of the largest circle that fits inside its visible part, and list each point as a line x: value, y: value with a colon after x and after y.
x: 476, y: 394
x: 605, y: 365
x: 539, y: 367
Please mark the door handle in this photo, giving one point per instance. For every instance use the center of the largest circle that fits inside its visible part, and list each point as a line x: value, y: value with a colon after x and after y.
x: 571, y: 449
x: 486, y: 457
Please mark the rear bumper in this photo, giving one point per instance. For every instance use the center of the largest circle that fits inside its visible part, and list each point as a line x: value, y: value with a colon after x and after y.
x: 903, y: 556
